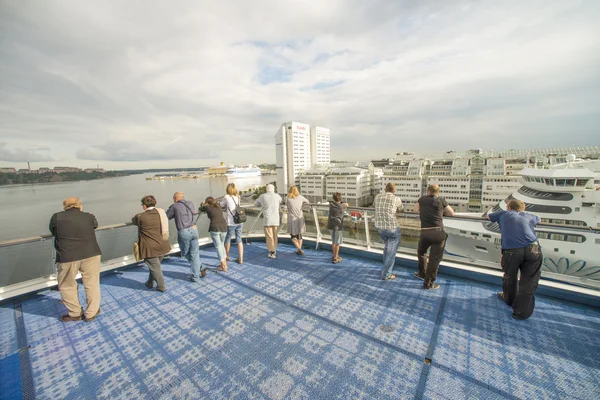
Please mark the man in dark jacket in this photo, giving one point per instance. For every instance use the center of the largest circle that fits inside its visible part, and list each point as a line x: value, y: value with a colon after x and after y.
x: 335, y: 224
x: 77, y: 251
x: 182, y: 211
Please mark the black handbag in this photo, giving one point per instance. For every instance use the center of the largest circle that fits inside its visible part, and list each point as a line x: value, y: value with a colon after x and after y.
x: 239, y: 216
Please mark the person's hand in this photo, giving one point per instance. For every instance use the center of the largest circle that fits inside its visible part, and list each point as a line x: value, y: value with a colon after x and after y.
x: 346, y: 204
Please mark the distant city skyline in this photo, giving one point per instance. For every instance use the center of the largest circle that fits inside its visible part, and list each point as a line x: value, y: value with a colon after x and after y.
x: 156, y: 86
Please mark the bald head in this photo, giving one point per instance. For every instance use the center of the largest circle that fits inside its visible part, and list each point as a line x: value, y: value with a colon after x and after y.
x: 72, y: 202
x: 178, y: 196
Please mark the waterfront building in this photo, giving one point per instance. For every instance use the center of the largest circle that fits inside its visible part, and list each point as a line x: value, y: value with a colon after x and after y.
x: 59, y: 170
x: 217, y: 169
x: 292, y: 153
x: 474, y: 180
x: 357, y: 182
x: 8, y: 170
x: 320, y: 146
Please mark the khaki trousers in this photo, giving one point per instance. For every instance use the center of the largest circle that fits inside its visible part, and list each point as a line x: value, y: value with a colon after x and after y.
x: 67, y: 285
x: 271, y: 237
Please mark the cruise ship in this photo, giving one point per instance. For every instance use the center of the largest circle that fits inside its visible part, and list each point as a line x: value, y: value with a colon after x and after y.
x: 242, y: 172
x: 566, y: 198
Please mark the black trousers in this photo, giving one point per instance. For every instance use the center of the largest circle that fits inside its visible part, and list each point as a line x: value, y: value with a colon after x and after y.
x: 436, y: 240
x: 520, y: 293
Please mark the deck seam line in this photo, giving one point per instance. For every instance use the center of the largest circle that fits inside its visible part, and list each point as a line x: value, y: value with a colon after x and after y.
x: 28, y: 388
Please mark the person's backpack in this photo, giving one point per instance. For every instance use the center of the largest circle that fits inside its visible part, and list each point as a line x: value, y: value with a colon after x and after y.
x: 239, y: 214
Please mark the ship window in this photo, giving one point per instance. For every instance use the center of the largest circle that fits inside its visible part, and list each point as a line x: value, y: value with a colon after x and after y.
x: 561, y: 182
x: 582, y: 182
x: 549, y: 182
x: 576, y: 208
x: 572, y: 251
x: 474, y: 233
x: 481, y: 248
x: 597, y: 241
x: 463, y: 232
x: 556, y: 250
x: 588, y: 204
x: 485, y: 235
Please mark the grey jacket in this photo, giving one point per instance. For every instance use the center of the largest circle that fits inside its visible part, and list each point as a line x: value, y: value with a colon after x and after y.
x: 269, y: 202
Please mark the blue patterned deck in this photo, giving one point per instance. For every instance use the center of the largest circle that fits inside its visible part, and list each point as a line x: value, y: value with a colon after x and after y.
x: 298, y: 328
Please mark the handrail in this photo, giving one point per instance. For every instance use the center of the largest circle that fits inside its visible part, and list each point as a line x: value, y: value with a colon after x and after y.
x: 12, y: 242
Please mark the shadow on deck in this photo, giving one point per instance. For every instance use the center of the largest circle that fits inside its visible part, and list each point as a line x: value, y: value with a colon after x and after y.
x: 297, y: 327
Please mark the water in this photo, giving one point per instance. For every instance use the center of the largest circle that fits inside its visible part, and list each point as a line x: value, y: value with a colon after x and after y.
x: 25, y: 210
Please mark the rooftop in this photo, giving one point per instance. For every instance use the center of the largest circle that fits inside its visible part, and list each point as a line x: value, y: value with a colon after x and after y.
x: 300, y: 328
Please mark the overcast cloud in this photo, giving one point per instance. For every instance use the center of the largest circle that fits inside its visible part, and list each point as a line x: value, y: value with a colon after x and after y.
x: 165, y: 84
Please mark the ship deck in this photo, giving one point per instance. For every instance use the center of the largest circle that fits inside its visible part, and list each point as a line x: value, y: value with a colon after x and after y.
x: 299, y: 328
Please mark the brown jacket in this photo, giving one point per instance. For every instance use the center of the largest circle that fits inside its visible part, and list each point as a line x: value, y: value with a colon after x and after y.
x: 150, y: 239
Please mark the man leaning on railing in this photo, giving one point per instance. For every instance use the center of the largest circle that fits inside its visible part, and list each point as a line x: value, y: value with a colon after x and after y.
x: 520, y: 252
x: 77, y: 250
x: 182, y: 210
x: 386, y: 223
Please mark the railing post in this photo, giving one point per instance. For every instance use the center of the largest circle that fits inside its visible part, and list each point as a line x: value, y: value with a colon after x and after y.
x: 254, y: 223
x: 318, y: 228
x: 367, y: 235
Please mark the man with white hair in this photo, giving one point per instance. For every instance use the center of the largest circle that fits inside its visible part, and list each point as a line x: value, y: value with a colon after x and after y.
x: 269, y: 202
x: 77, y: 250
x: 182, y: 211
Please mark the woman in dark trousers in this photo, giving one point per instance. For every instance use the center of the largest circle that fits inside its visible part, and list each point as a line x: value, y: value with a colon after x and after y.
x: 335, y: 224
x: 217, y: 229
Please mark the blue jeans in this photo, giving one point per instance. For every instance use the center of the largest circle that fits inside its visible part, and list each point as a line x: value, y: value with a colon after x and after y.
x: 218, y: 239
x: 237, y: 229
x: 188, y: 244
x: 391, y: 242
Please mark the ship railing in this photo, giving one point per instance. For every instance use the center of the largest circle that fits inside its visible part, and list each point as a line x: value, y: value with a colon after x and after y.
x: 28, y: 264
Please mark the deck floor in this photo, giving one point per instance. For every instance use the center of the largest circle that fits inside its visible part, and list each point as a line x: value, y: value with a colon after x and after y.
x: 298, y: 328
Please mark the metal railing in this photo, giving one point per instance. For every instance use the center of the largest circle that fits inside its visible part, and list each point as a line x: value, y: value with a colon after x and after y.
x: 28, y: 264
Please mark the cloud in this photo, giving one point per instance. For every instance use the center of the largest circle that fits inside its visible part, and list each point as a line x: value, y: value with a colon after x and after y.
x: 113, y: 81
x: 23, y: 155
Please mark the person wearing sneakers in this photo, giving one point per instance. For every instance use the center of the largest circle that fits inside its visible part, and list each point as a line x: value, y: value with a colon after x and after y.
x: 182, y: 210
x: 387, y: 225
x: 520, y: 252
x: 77, y: 250
x: 296, y: 226
x: 335, y: 224
x: 269, y: 202
x: 153, y: 240
x: 217, y: 229
x: 431, y: 209
x: 230, y: 202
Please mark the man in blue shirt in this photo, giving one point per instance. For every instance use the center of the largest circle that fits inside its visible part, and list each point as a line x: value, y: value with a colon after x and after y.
x: 187, y: 233
x: 520, y: 252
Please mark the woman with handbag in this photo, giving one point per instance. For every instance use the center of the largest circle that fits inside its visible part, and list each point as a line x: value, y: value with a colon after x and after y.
x: 217, y: 229
x: 235, y: 221
x: 153, y: 242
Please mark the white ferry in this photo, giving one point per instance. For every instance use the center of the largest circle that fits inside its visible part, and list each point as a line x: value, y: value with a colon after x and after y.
x: 566, y: 197
x: 242, y: 172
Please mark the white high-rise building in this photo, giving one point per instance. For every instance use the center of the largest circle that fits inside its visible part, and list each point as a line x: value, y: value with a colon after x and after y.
x: 292, y: 153
x: 320, y: 146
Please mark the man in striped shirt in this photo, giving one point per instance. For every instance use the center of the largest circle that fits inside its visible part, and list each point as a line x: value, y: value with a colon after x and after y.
x: 386, y: 205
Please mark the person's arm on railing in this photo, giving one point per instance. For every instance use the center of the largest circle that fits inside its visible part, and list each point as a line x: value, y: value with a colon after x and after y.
x: 448, y: 211
x: 52, y: 225
x: 171, y: 212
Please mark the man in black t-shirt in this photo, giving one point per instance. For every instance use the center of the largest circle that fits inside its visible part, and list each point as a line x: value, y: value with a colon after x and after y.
x: 431, y: 209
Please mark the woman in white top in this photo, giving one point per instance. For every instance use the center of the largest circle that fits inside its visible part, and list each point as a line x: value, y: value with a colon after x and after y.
x: 296, y: 225
x: 230, y: 202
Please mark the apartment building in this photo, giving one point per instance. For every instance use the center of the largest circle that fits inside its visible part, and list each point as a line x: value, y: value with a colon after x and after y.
x: 298, y: 148
x: 320, y: 146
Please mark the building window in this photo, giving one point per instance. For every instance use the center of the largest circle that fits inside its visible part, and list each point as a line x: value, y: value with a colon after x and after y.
x: 556, y: 250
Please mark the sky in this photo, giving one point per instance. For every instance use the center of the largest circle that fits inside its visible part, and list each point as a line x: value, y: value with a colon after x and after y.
x: 157, y: 84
